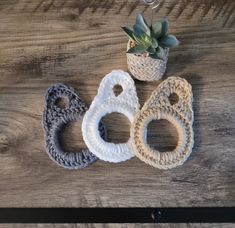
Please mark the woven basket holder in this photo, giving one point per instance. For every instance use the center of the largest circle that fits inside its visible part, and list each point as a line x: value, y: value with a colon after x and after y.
x: 146, y: 68
x: 55, y: 118
x: 107, y: 102
x: 179, y: 114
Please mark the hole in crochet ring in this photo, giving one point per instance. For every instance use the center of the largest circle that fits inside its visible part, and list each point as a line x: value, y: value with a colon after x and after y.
x: 117, y: 89
x: 118, y: 127
x: 173, y: 98
x: 61, y: 102
x: 71, y: 137
x: 162, y: 135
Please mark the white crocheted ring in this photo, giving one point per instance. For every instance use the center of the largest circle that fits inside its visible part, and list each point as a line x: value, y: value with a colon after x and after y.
x: 107, y: 102
x: 179, y: 114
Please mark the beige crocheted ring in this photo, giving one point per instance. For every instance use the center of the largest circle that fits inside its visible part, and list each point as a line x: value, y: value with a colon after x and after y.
x: 107, y: 102
x: 179, y: 114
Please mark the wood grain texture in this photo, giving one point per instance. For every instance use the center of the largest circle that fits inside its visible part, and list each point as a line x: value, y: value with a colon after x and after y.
x: 79, y: 41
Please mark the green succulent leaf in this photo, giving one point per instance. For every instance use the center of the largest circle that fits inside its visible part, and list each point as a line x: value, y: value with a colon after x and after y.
x: 157, y: 29
x: 141, y: 24
x: 151, y: 50
x: 139, y: 30
x: 152, y: 39
x: 139, y: 38
x: 129, y: 32
x: 147, y: 40
x: 143, y: 39
x: 153, y: 56
x: 165, y: 26
x: 154, y: 43
x: 159, y: 54
x: 137, y: 49
x: 169, y: 41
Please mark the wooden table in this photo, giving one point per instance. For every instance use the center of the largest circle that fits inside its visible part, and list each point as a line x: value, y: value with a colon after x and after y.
x: 79, y: 41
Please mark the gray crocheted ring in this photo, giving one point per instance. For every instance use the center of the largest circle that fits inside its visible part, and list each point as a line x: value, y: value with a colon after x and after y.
x: 55, y: 118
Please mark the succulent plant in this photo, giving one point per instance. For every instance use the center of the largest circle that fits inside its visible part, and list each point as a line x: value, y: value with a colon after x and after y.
x: 150, y: 39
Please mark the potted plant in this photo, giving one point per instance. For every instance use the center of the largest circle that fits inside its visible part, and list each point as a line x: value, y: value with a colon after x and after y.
x: 147, y: 48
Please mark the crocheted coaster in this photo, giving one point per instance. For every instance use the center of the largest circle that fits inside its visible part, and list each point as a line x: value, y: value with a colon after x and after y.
x: 54, y: 118
x: 179, y: 114
x: 107, y: 102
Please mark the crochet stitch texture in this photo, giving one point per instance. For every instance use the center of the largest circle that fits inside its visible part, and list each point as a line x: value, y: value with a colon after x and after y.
x: 107, y: 102
x: 145, y: 68
x: 179, y: 114
x: 54, y: 118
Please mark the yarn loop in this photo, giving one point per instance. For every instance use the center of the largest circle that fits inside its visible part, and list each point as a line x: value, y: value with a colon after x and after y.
x: 180, y: 114
x: 56, y: 117
x: 107, y: 102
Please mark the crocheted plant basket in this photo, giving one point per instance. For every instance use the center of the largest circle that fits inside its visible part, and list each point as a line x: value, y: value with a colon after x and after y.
x: 145, y: 68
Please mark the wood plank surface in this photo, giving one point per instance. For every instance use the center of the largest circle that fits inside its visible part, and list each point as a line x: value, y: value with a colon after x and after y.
x: 79, y: 41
